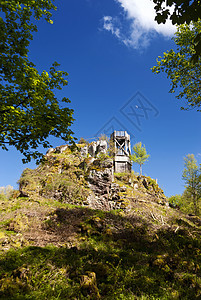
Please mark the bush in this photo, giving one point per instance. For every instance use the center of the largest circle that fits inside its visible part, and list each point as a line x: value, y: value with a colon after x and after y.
x: 6, y: 191
x: 175, y: 201
x: 83, y: 141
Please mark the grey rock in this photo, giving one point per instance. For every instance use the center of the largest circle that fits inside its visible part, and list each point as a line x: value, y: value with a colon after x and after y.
x: 50, y: 150
x: 101, y: 147
x: 96, y: 148
x: 84, y: 151
x: 135, y: 186
x: 92, y: 149
x: 61, y: 149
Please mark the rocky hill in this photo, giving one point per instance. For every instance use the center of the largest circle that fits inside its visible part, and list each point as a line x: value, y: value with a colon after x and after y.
x: 77, y: 230
x: 77, y: 177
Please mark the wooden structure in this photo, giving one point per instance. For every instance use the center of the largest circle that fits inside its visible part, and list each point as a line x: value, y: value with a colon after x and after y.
x: 122, y: 149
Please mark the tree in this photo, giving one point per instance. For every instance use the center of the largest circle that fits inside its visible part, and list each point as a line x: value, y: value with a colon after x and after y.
x: 181, y: 12
x: 140, y: 155
x: 184, y: 75
x: 192, y: 177
x: 29, y: 109
x: 178, y: 11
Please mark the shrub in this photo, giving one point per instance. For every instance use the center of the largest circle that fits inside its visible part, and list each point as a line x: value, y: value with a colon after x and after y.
x: 175, y: 201
x: 6, y: 191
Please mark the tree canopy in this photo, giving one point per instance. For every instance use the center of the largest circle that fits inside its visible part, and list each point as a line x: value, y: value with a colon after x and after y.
x: 192, y: 178
x: 178, y: 11
x: 140, y: 155
x: 185, y: 76
x: 181, y: 12
x: 29, y: 109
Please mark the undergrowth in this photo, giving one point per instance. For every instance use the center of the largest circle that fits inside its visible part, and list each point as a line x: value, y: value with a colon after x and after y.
x: 52, y: 249
x: 116, y: 256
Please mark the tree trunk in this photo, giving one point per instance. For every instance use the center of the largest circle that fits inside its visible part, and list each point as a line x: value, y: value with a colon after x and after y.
x: 140, y: 170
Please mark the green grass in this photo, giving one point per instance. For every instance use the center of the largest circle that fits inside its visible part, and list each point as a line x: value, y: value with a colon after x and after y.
x: 148, y: 252
x: 128, y: 263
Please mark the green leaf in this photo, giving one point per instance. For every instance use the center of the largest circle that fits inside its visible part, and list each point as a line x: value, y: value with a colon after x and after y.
x: 29, y: 109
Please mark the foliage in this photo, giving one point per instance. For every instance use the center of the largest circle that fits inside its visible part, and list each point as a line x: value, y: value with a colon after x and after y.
x: 6, y: 191
x: 55, y: 250
x: 187, y: 205
x: 29, y: 109
x: 125, y: 177
x: 192, y: 179
x: 189, y: 202
x: 102, y: 157
x: 140, y: 155
x: 83, y: 141
x: 58, y: 178
x: 181, y: 12
x: 112, y: 151
x: 149, y: 251
x: 175, y: 201
x: 184, y: 75
x: 103, y: 137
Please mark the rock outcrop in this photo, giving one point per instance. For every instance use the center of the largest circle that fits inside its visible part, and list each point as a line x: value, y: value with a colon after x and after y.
x: 93, y: 149
x: 85, y: 176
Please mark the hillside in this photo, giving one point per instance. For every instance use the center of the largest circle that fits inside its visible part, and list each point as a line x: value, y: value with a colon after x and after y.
x: 76, y: 230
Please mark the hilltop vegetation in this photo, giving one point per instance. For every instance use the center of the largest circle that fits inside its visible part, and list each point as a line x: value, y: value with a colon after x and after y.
x: 75, y: 230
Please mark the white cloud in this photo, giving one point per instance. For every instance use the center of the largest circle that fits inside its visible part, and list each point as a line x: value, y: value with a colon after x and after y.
x: 110, y: 26
x: 142, y: 26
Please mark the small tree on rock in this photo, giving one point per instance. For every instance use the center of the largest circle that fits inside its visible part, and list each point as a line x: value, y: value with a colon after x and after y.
x: 140, y: 155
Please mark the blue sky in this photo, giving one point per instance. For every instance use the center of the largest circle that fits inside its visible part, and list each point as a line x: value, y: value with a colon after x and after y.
x: 108, y: 48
